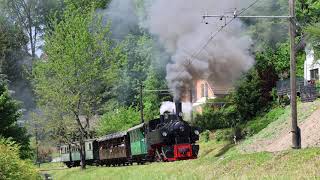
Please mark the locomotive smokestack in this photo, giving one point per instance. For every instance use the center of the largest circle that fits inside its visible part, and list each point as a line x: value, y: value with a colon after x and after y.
x: 178, y: 108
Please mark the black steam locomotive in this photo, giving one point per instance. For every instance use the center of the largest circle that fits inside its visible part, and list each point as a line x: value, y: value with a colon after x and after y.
x: 171, y: 138
x: 168, y: 138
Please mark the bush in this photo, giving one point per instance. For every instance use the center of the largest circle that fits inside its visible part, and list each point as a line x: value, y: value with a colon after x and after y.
x: 262, y: 121
x: 225, y: 117
x: 118, y: 120
x: 228, y: 134
x: 11, y: 166
x: 205, y: 136
x: 224, y: 134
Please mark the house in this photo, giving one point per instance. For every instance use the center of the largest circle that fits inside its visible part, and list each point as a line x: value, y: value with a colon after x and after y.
x: 311, y: 66
x: 202, y: 91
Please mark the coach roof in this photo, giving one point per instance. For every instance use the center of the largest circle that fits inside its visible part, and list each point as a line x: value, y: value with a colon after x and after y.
x: 136, y: 127
x: 112, y: 136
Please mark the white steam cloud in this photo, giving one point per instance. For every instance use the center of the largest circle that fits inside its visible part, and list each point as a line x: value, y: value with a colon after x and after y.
x: 178, y: 26
x: 168, y: 106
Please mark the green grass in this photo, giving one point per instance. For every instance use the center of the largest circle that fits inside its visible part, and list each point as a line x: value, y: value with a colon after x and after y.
x: 55, y: 165
x: 290, y: 164
x: 257, y: 124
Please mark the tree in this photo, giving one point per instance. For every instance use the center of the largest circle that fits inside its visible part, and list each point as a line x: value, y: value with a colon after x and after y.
x: 308, y: 11
x: 313, y: 36
x: 31, y: 16
x: 12, y: 39
x: 138, y: 51
x: 267, y: 31
x: 152, y: 100
x: 81, y: 66
x: 83, y: 4
x: 9, y: 116
x: 119, y: 119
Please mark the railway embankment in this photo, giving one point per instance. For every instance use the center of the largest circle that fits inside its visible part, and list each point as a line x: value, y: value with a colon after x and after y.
x: 277, y: 135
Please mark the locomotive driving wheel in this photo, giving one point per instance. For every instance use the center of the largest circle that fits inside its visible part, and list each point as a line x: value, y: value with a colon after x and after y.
x: 158, y: 156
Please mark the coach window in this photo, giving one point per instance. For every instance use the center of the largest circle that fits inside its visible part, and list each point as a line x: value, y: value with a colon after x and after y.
x: 136, y: 135
x: 89, y: 146
x: 133, y: 135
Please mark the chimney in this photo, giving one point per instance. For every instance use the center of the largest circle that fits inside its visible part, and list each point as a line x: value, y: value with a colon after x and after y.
x: 178, y: 109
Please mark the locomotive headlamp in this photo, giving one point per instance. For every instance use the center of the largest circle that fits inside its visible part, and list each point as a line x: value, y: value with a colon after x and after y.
x: 164, y: 134
x: 196, y: 132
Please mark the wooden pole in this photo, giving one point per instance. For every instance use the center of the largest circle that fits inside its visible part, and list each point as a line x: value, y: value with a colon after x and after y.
x: 293, y: 100
x: 191, y: 99
x: 37, y: 147
x: 141, y: 102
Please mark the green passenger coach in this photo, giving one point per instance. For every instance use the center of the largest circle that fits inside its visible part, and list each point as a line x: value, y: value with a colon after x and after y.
x: 70, y: 154
x: 138, y: 143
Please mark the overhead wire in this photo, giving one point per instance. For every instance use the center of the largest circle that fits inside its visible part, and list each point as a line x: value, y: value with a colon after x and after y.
x: 213, y: 35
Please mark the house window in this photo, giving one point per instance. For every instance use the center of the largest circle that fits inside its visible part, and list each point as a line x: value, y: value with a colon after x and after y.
x: 89, y: 146
x: 202, y: 90
x: 314, y: 74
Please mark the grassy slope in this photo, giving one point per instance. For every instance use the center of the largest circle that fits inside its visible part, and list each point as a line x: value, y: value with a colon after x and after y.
x: 232, y: 165
x: 278, y: 123
x: 222, y: 160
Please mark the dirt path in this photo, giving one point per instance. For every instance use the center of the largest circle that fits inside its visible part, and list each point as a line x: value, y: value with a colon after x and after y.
x: 310, y: 134
x: 277, y: 136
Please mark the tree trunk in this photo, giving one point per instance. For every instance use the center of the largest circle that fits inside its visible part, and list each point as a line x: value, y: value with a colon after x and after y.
x: 82, y: 152
x: 82, y: 143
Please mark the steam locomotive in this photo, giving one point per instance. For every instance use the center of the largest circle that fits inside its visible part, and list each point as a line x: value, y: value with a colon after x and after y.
x: 168, y: 138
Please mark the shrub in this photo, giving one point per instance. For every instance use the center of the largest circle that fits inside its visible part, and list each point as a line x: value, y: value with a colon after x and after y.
x: 262, y: 121
x: 224, y: 134
x: 118, y: 120
x: 11, y: 166
x: 205, y: 136
x: 225, y: 117
x: 229, y: 133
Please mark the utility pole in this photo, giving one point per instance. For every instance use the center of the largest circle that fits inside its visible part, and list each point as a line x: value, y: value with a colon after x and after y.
x: 296, y: 134
x: 296, y: 140
x: 191, y: 101
x: 141, y: 102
